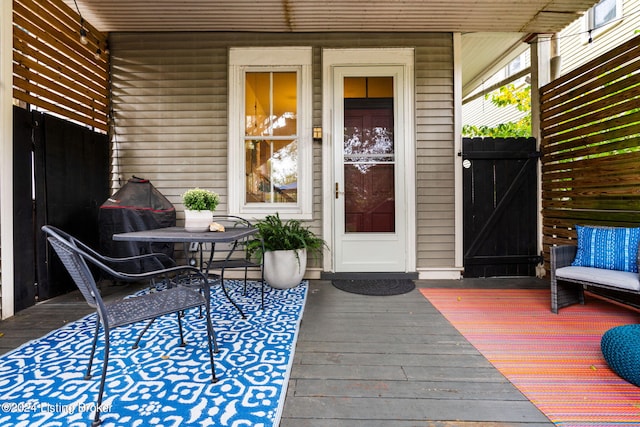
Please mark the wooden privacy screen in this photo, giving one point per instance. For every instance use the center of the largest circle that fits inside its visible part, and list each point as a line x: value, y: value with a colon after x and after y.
x: 52, y: 70
x: 591, y: 146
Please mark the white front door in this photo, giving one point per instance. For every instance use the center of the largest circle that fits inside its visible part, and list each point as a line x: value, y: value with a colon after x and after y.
x: 372, y: 144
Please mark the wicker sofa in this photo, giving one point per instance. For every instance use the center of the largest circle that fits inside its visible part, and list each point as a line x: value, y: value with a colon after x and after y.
x: 567, y: 281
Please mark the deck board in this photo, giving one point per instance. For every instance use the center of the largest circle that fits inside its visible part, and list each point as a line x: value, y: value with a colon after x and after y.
x: 418, y: 410
x: 362, y: 361
x: 395, y: 361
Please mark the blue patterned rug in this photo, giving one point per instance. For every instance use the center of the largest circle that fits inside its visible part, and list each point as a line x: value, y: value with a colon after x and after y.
x: 160, y: 383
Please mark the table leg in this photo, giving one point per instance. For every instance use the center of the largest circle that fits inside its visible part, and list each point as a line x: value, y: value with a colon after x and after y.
x: 205, y: 269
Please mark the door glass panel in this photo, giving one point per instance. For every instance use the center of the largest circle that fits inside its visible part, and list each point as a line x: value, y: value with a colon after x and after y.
x: 369, y: 155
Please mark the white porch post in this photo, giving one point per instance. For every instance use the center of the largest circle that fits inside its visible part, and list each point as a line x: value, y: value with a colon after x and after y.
x: 6, y: 159
x: 540, y: 76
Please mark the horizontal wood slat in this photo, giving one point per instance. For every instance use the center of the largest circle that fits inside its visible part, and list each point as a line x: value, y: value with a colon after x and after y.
x: 588, y: 164
x: 30, y: 71
x: 62, y: 98
x: 58, y: 36
x: 596, y: 67
x: 87, y: 74
x: 591, y: 146
x: 577, y: 106
x: 595, y: 106
x: 586, y: 147
x: 52, y: 70
x: 614, y: 125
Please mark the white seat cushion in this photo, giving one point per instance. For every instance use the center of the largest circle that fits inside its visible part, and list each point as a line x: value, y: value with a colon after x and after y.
x: 614, y: 278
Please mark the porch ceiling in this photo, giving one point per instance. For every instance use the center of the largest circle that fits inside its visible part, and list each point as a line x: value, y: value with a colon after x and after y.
x: 506, y: 21
x: 520, y: 16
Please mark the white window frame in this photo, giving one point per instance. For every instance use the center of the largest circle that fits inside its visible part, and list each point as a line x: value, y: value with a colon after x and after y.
x: 588, y: 22
x: 511, y: 69
x: 266, y: 59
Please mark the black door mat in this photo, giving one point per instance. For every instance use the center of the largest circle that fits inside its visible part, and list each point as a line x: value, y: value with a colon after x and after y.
x: 379, y: 287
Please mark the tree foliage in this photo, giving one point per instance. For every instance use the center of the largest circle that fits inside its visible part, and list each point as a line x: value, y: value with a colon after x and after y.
x: 505, y: 96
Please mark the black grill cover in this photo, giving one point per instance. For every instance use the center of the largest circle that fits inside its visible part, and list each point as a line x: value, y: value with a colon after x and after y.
x: 137, y: 206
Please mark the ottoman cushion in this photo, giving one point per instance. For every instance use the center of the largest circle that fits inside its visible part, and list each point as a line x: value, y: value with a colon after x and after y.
x: 621, y: 349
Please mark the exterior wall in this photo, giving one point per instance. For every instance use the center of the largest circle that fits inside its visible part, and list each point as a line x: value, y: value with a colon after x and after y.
x: 573, y: 41
x: 481, y: 112
x: 170, y: 108
x: 574, y: 49
x: 435, y: 179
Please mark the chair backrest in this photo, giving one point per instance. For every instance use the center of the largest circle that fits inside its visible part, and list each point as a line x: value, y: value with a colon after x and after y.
x: 130, y: 264
x: 70, y: 255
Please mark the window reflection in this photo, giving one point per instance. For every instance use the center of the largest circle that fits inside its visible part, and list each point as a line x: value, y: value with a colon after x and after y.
x: 368, y: 155
x: 368, y: 145
x: 271, y: 144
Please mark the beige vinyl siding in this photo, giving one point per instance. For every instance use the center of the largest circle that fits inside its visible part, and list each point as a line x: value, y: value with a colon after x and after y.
x: 435, y: 154
x: 573, y: 40
x: 169, y: 101
x: 170, y: 105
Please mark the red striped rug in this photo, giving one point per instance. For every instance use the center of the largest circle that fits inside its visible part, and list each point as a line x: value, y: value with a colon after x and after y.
x: 554, y: 360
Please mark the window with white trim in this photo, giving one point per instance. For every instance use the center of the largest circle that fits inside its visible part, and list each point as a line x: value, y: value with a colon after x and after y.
x: 603, y: 13
x: 270, y: 133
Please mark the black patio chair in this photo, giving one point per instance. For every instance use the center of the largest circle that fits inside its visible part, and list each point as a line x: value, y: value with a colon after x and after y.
x: 234, y: 255
x: 181, y: 294
x: 145, y: 262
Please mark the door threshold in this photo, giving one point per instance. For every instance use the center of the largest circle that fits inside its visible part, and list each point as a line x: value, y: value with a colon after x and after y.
x: 368, y: 276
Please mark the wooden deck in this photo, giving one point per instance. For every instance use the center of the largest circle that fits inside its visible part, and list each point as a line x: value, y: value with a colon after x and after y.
x: 364, y: 361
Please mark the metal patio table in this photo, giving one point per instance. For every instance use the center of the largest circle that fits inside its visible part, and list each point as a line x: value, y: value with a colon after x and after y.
x: 180, y: 235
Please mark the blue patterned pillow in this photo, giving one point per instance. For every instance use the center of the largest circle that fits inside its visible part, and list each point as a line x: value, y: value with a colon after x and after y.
x: 612, y: 248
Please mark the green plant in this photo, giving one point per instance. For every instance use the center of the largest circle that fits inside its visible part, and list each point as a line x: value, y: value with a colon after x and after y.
x: 505, y: 96
x: 198, y: 199
x: 279, y: 235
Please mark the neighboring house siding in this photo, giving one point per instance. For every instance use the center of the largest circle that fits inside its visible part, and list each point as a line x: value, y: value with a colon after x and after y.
x: 575, y: 49
x: 170, y: 104
x: 482, y: 112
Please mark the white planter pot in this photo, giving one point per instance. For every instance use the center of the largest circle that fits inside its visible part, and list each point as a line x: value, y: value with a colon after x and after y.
x: 283, y: 269
x: 197, y: 221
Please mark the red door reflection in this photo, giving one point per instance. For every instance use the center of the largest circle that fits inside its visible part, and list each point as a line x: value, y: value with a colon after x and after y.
x: 369, y: 167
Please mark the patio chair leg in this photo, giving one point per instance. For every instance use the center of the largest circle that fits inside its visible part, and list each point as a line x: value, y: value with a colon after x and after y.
x: 216, y: 350
x: 182, y: 343
x: 96, y: 419
x: 213, y: 347
x: 200, y: 311
x: 135, y: 345
x: 262, y: 287
x: 211, y: 333
x: 87, y: 375
x: 226, y: 294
